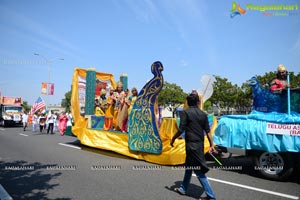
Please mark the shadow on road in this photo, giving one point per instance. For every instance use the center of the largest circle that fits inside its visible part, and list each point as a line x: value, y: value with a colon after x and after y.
x: 23, y: 180
x: 244, y: 165
x: 194, y: 191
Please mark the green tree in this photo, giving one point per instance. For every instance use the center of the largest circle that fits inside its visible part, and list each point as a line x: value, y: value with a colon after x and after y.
x: 225, y: 94
x: 171, y: 94
x: 244, y: 102
x: 25, y: 106
x: 208, y: 105
x: 265, y: 80
x: 228, y: 97
x: 66, y: 102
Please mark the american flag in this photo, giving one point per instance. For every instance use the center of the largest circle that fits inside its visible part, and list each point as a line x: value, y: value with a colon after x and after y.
x: 38, y: 104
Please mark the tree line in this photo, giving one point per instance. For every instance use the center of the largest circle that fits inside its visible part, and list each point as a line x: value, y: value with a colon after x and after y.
x: 227, y: 97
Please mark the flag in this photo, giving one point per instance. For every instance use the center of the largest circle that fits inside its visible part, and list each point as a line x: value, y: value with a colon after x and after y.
x: 50, y: 88
x: 44, y: 88
x: 47, y: 88
x: 38, y: 104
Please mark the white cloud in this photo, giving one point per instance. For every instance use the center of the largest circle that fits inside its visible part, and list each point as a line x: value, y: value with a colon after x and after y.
x: 31, y: 30
x: 42, y: 42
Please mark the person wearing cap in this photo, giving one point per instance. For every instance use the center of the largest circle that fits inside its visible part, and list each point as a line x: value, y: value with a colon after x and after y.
x: 98, y: 111
x: 280, y: 83
x: 103, y: 100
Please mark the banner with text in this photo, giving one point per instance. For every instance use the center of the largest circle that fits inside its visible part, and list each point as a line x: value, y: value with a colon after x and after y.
x: 283, y: 129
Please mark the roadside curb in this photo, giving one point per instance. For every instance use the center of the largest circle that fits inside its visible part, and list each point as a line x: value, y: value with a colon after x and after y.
x: 3, y: 194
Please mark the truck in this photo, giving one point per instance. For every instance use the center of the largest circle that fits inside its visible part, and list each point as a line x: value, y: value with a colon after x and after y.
x: 269, y: 134
x: 11, y: 111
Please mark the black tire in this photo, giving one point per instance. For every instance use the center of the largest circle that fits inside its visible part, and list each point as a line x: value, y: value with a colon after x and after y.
x: 5, y: 123
x: 273, y: 166
x: 2, y: 123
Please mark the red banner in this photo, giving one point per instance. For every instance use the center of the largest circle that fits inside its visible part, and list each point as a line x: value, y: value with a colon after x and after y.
x: 50, y: 88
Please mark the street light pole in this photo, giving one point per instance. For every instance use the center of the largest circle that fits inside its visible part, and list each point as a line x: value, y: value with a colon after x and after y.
x: 49, y: 61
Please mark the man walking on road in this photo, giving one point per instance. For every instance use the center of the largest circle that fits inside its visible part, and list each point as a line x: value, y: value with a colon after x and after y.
x: 194, y: 122
x: 50, y: 121
x: 25, y: 120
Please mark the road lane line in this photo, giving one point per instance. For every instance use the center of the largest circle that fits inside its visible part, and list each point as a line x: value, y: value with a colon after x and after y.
x: 68, y: 145
x: 253, y: 188
x: 3, y: 194
x: 23, y: 134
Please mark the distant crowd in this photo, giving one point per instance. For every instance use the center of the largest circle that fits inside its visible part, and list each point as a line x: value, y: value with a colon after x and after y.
x: 49, y: 122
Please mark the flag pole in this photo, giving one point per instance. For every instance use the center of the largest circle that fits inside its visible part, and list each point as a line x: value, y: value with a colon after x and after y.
x: 215, y: 159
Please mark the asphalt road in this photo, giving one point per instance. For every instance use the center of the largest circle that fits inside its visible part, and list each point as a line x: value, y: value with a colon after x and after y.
x: 41, y: 166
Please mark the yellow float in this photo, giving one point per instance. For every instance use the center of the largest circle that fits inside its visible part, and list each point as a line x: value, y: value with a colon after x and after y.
x: 144, y: 140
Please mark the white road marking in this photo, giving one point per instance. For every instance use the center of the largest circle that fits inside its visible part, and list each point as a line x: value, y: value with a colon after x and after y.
x: 68, y: 145
x: 23, y: 134
x: 2, y: 129
x: 253, y: 188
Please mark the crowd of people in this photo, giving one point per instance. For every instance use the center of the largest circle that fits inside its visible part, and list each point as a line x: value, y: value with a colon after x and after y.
x: 115, y: 107
x: 49, y: 122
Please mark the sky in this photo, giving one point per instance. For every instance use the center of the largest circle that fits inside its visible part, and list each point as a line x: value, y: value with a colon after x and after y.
x: 190, y: 37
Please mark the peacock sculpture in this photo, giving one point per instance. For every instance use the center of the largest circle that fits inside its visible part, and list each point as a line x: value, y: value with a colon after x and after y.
x: 266, y: 101
x: 143, y: 133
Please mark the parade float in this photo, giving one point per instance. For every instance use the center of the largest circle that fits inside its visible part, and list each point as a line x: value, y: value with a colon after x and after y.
x: 145, y: 139
x: 270, y: 133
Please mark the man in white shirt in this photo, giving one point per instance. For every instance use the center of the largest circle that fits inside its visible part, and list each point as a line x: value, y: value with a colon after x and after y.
x: 34, y: 122
x: 25, y: 120
x: 50, y: 121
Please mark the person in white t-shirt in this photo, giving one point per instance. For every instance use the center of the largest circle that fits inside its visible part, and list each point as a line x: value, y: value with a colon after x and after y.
x: 50, y: 121
x: 34, y: 122
x: 25, y: 120
x: 55, y: 129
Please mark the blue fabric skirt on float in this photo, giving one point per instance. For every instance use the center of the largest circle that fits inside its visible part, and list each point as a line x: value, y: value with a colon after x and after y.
x: 272, y: 132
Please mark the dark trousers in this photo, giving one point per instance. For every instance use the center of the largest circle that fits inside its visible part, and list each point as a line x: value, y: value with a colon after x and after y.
x: 41, y: 127
x: 50, y: 127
